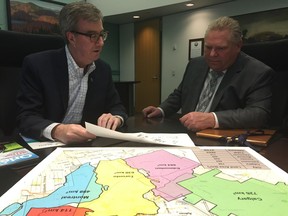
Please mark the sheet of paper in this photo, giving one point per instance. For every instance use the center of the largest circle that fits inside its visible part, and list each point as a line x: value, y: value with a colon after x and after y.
x: 174, y: 139
x: 34, y: 144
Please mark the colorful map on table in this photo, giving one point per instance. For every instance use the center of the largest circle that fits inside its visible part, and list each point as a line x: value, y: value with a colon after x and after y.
x: 150, y: 181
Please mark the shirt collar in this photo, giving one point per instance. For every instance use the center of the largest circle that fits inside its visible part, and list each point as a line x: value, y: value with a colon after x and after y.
x: 224, y: 71
x: 73, y: 65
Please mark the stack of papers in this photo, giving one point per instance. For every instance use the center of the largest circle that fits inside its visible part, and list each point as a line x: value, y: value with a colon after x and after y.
x: 35, y: 144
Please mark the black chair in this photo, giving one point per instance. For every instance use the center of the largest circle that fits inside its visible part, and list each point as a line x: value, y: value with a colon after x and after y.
x: 275, y: 55
x: 14, y: 46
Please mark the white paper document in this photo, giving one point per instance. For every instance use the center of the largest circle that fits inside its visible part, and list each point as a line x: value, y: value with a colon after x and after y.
x: 174, y: 139
x: 34, y: 144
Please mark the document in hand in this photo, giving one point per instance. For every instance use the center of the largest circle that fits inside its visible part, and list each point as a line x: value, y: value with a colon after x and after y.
x: 174, y: 139
x: 13, y: 153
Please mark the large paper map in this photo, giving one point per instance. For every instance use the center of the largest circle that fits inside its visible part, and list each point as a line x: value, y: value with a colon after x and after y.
x: 150, y: 181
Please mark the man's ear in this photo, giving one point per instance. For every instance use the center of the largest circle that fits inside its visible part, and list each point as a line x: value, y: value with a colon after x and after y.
x: 70, y: 38
x: 240, y: 44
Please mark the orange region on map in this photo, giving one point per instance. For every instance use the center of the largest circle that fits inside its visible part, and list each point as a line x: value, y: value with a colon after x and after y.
x: 252, y: 197
x: 123, y: 191
x: 165, y: 170
x: 58, y: 211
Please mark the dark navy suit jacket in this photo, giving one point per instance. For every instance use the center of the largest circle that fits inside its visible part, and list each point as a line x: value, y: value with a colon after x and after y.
x: 44, y: 93
x: 242, y: 100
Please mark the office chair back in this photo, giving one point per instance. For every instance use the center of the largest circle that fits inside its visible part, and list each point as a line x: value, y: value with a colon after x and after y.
x: 275, y: 55
x: 14, y: 46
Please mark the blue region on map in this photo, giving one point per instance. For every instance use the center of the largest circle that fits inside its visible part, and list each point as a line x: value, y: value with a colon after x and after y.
x: 78, y: 188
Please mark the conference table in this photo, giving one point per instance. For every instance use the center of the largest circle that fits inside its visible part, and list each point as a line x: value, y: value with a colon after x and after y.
x: 276, y: 151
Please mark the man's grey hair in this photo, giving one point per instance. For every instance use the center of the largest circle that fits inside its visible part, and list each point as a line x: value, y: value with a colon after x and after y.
x: 71, y: 13
x: 226, y: 23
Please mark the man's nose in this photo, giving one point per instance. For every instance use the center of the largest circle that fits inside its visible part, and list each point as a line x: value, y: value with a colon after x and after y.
x: 100, y: 41
x: 213, y: 52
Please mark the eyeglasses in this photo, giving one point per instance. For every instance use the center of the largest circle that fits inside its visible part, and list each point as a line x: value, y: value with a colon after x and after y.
x: 94, y: 37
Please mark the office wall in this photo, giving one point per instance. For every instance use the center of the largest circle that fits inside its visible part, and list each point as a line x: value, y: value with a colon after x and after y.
x: 179, y: 28
x: 110, y: 52
x: 127, y: 59
x: 3, y: 17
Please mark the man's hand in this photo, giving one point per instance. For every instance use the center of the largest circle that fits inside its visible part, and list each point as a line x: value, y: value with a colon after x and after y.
x: 196, y: 121
x: 151, y: 112
x: 107, y: 120
x: 71, y: 133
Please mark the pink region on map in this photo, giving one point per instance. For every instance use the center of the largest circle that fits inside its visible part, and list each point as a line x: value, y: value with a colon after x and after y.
x: 165, y: 170
x: 172, y: 190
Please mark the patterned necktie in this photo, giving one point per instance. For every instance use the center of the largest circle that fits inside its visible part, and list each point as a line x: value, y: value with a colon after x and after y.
x: 208, y: 92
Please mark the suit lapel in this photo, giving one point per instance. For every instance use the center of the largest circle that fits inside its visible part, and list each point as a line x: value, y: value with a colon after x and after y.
x: 198, y: 85
x: 61, y: 76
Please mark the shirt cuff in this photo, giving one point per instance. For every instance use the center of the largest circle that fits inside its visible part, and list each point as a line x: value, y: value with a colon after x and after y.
x: 122, y: 120
x: 48, y: 130
x: 162, y: 112
x: 216, y: 120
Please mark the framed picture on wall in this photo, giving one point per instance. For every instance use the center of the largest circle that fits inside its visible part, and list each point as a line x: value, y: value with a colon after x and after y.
x: 264, y: 26
x: 196, y: 47
x: 34, y: 16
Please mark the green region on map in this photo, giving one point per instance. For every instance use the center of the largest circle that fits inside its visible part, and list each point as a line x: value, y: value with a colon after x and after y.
x: 252, y: 197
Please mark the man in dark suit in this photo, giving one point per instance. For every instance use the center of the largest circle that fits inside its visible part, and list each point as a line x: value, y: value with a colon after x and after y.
x: 61, y: 89
x: 240, y: 95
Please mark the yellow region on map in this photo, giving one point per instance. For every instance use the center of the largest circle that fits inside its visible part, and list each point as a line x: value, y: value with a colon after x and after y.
x: 123, y: 191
